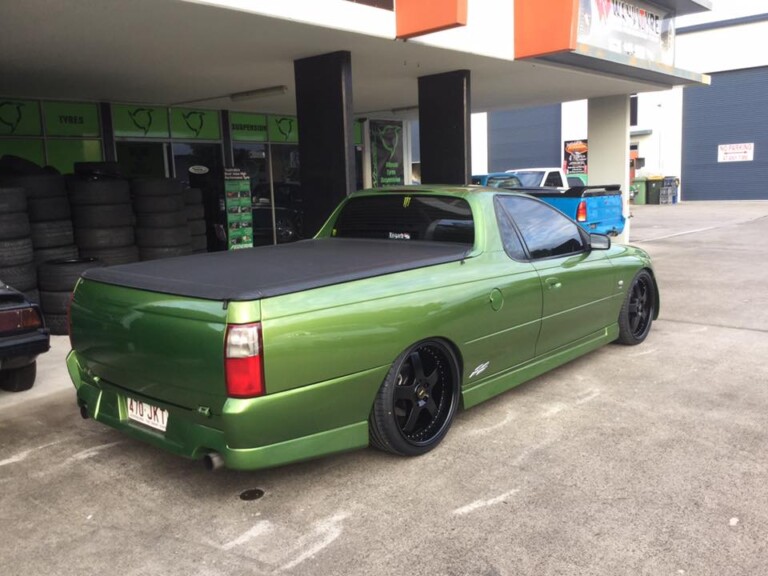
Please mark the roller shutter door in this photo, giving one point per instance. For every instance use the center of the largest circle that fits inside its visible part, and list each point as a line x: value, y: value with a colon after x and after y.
x: 733, y: 110
x: 526, y: 138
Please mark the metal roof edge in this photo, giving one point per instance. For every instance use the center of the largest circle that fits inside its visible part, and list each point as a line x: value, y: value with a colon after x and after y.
x: 754, y: 19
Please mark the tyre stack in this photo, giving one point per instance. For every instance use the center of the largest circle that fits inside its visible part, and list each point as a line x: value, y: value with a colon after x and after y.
x: 17, y: 266
x: 103, y: 219
x: 161, y: 219
x: 57, y: 279
x: 49, y: 216
x: 193, y: 206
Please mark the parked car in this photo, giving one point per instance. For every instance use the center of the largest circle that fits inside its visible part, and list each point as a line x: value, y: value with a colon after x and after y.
x: 408, y: 303
x: 23, y: 336
x: 598, y: 209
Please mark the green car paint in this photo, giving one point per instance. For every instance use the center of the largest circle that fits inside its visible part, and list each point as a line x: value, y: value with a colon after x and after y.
x: 327, y: 350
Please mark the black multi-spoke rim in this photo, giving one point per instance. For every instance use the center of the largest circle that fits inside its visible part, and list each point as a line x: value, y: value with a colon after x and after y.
x: 640, y: 307
x: 423, y: 394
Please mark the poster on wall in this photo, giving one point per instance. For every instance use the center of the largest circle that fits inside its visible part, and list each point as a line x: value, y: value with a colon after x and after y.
x: 575, y: 157
x: 387, y: 167
x: 237, y: 202
x: 630, y: 27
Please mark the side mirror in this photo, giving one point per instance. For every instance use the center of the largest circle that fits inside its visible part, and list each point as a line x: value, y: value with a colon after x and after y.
x: 599, y: 242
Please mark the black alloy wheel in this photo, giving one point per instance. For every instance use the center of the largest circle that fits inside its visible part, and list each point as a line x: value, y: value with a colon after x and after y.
x: 417, y: 401
x: 638, y: 310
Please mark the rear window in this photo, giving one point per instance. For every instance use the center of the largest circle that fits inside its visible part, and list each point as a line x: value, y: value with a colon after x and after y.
x: 407, y: 218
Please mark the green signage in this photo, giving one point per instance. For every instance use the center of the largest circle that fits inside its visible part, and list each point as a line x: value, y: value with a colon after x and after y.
x: 387, y: 168
x: 71, y: 119
x: 192, y: 124
x: 31, y: 150
x: 358, y: 127
x: 20, y: 118
x: 62, y: 154
x: 248, y: 127
x: 139, y: 121
x: 283, y: 129
x: 237, y: 192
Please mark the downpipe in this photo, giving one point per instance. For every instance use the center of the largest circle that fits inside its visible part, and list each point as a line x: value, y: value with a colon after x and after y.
x: 213, y: 461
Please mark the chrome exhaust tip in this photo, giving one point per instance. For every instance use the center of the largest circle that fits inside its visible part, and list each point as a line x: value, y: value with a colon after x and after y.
x: 213, y: 461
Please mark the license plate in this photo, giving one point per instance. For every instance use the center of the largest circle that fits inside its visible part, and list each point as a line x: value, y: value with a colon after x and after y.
x: 147, y: 414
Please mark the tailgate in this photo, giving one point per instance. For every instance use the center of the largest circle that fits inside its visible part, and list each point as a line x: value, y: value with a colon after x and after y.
x: 604, y: 212
x: 162, y: 347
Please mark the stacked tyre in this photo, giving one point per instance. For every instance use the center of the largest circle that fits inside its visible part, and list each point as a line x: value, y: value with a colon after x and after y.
x: 193, y: 200
x: 57, y: 279
x: 161, y: 219
x: 103, y: 219
x: 17, y: 266
x: 49, y: 215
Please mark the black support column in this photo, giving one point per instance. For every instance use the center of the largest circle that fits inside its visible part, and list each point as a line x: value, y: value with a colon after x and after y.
x: 444, y: 128
x: 326, y: 134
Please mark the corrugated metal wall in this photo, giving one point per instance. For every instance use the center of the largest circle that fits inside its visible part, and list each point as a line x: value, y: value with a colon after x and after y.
x: 524, y: 138
x: 733, y: 110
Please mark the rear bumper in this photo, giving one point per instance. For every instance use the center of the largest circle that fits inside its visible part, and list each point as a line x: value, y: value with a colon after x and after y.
x: 272, y: 430
x: 21, y: 350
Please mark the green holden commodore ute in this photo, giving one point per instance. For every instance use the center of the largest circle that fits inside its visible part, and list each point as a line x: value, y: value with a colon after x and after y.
x: 408, y: 303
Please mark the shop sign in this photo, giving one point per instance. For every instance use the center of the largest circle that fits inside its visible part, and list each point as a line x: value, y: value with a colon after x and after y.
x: 283, y: 129
x: 193, y: 124
x: 20, y: 118
x: 248, y: 127
x: 237, y: 203
x: 736, y: 152
x: 630, y: 27
x: 387, y: 153
x: 139, y: 121
x: 71, y: 119
x: 575, y: 156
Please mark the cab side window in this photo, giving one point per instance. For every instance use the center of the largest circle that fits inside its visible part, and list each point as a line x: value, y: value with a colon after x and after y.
x: 513, y: 246
x: 546, y: 232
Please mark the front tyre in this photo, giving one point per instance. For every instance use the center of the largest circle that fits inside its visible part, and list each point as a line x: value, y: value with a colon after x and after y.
x: 638, y: 310
x: 417, y: 401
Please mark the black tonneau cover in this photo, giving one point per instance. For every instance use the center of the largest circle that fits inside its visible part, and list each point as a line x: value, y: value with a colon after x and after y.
x: 255, y: 273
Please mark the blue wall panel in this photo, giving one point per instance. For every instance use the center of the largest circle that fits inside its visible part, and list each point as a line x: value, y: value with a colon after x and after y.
x: 524, y: 138
x: 733, y: 110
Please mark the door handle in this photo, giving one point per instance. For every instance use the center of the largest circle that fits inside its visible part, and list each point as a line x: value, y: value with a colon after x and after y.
x: 553, y: 283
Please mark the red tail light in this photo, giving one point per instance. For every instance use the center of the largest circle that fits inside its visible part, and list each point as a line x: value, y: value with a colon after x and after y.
x: 20, y: 319
x: 581, y: 212
x: 243, y: 361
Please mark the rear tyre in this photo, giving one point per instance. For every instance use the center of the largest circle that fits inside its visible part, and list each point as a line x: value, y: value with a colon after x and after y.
x: 18, y: 379
x: 638, y: 310
x: 414, y: 408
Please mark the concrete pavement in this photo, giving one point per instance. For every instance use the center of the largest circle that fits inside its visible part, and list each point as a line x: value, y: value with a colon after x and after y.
x: 643, y: 460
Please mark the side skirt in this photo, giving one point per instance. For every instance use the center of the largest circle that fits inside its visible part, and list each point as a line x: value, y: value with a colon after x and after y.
x: 536, y: 367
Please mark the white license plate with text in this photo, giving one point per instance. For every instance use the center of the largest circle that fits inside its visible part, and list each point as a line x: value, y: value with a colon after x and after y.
x: 147, y: 414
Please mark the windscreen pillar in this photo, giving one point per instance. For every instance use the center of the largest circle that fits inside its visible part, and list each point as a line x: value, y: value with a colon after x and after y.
x: 326, y: 137
x: 608, y: 131
x: 444, y: 128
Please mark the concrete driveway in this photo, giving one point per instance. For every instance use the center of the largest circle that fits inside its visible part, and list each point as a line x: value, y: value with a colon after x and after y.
x: 648, y: 460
